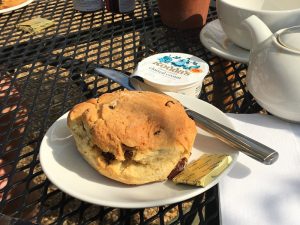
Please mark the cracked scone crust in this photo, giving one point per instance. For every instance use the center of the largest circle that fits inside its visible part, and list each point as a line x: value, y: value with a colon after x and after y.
x: 132, y: 137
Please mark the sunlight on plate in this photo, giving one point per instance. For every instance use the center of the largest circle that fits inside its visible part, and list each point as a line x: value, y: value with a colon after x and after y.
x: 65, y: 167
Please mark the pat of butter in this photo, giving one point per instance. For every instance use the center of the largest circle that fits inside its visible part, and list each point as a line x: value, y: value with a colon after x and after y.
x: 204, y: 170
x: 35, y: 25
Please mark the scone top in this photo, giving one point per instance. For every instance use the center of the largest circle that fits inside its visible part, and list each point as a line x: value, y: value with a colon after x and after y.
x: 139, y: 127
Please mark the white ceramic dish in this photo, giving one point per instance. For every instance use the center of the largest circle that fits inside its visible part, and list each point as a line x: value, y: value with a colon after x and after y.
x: 64, y: 166
x: 15, y: 7
x: 214, y: 39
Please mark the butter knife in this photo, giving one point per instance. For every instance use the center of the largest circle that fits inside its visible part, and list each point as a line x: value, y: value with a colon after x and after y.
x: 238, y: 141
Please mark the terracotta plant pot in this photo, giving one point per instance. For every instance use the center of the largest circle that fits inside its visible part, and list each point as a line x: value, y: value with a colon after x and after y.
x: 183, y: 14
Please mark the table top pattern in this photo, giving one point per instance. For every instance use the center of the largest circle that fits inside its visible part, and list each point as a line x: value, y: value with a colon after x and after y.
x: 42, y: 76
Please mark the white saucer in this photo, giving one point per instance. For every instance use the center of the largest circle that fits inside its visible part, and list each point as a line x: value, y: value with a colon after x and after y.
x: 214, y: 39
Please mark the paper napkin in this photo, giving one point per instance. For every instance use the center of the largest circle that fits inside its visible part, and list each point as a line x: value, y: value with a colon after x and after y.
x: 254, y: 193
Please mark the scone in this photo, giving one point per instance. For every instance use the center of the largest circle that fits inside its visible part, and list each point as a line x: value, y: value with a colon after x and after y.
x: 133, y: 137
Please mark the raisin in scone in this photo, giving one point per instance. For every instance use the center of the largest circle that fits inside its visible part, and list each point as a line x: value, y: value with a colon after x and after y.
x: 132, y: 137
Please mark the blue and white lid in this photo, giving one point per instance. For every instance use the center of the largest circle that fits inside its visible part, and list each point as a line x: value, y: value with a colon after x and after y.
x: 172, y: 69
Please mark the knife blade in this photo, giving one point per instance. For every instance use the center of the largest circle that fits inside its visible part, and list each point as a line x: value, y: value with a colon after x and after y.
x: 238, y: 141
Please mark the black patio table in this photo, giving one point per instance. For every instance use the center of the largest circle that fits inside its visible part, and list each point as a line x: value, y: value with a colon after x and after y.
x: 44, y: 75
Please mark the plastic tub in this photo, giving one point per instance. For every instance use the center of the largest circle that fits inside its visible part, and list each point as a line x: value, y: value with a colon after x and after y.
x: 175, y: 72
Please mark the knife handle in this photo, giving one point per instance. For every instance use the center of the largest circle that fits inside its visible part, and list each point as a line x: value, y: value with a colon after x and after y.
x: 235, y: 139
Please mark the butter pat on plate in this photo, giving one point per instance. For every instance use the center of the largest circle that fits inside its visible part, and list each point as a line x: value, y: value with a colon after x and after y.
x: 203, y: 171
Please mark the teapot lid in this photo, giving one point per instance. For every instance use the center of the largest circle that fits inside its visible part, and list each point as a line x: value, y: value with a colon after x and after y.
x: 290, y: 38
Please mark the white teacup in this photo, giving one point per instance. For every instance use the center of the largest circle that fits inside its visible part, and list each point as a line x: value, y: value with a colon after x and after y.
x: 276, y: 14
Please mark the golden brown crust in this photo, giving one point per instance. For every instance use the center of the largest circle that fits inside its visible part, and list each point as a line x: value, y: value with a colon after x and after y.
x: 144, y: 133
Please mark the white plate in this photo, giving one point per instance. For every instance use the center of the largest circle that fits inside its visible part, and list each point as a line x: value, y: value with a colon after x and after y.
x: 65, y: 167
x: 214, y: 39
x: 15, y: 7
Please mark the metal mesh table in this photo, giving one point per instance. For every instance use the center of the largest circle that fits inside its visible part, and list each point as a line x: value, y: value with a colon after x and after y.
x: 44, y: 75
